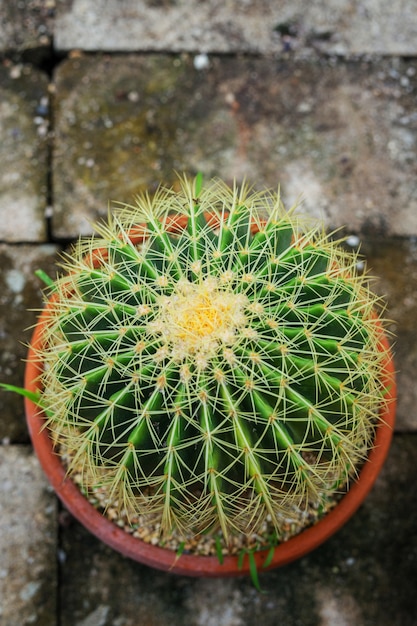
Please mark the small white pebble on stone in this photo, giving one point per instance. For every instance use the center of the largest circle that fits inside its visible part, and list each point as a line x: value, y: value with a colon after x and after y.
x: 16, y: 71
x: 201, y: 62
x: 15, y: 280
x: 62, y: 556
x: 133, y: 96
x: 304, y: 107
x: 29, y: 590
x: 42, y: 130
x: 353, y: 241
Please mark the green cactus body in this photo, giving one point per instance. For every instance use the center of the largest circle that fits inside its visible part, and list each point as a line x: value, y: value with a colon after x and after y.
x: 212, y: 363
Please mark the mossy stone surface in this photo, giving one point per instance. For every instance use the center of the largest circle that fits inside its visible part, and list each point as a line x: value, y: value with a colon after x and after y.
x: 27, y: 27
x: 339, y: 137
x: 20, y: 296
x: 24, y: 118
x: 123, y: 125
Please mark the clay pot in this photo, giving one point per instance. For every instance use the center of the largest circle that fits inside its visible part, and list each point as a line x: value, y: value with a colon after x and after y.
x: 189, y: 564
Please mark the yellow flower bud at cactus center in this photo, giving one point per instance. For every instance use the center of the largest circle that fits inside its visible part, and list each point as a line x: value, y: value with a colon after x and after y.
x: 197, y: 318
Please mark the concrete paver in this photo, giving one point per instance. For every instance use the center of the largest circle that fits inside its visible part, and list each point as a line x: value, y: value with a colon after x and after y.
x: 291, y: 26
x: 393, y: 262
x: 24, y: 115
x: 20, y: 294
x: 28, y: 522
x: 167, y: 25
x: 340, y: 136
x: 26, y: 26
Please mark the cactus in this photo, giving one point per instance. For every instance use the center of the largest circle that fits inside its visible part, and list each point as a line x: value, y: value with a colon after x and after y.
x: 211, y: 361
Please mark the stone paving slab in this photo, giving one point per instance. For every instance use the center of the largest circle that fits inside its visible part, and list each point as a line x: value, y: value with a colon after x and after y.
x: 26, y: 26
x: 363, y: 576
x: 290, y: 26
x: 20, y: 294
x: 394, y: 264
x: 343, y: 136
x: 28, y: 523
x: 23, y: 152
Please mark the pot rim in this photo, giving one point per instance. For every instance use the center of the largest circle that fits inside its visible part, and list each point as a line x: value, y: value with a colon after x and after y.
x: 199, y: 565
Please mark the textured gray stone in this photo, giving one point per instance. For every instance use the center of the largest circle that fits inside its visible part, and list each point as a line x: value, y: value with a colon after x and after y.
x: 28, y: 576
x: 342, y: 137
x: 23, y: 153
x: 394, y: 264
x: 20, y: 294
x: 291, y: 26
x: 26, y: 26
x: 167, y: 25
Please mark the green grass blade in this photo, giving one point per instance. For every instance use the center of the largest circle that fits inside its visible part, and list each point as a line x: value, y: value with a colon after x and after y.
x: 35, y: 397
x: 49, y: 282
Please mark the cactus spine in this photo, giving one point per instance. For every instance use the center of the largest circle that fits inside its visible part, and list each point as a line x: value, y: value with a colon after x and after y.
x: 211, y: 362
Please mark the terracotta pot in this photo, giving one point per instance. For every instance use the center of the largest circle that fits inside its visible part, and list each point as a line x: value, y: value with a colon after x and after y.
x: 188, y: 564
